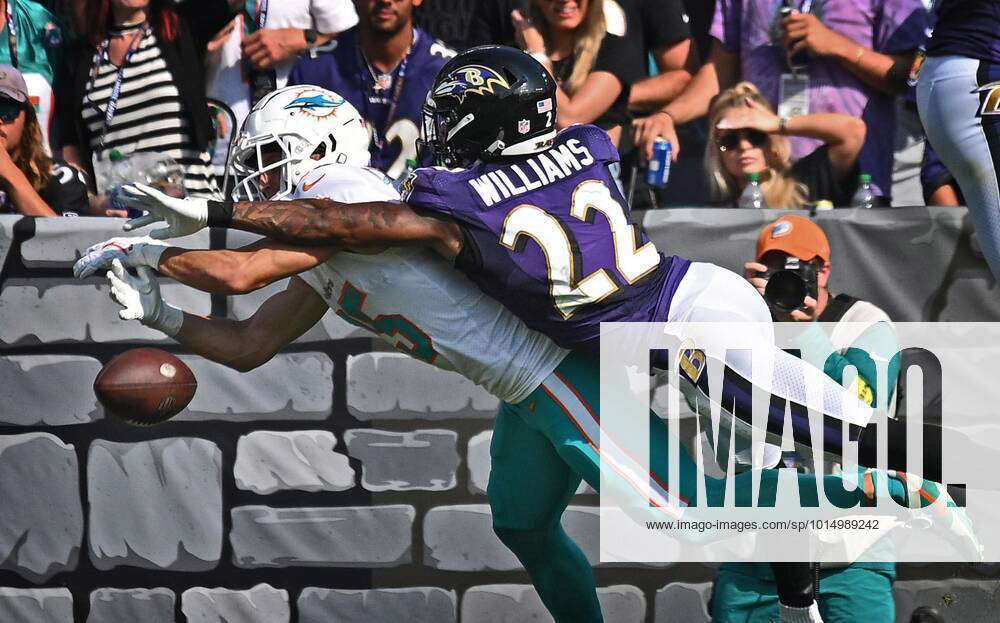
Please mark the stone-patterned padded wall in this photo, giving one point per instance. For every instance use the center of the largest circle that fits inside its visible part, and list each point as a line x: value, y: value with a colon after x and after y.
x: 338, y: 482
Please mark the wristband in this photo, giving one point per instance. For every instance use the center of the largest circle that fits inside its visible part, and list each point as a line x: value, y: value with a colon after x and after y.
x: 663, y: 112
x: 220, y: 213
x: 310, y: 35
x: 168, y: 319
x: 782, y: 125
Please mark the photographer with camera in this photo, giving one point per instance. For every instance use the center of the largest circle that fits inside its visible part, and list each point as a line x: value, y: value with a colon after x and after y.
x: 792, y: 271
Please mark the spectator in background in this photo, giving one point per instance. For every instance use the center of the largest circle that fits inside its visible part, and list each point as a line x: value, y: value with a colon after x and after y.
x: 33, y: 42
x: 594, y: 69
x: 661, y: 33
x: 863, y: 337
x: 138, y: 85
x: 33, y: 184
x: 746, y: 591
x: 957, y: 94
x: 745, y: 136
x: 287, y: 29
x: 384, y: 67
x: 669, y: 58
x: 857, y: 56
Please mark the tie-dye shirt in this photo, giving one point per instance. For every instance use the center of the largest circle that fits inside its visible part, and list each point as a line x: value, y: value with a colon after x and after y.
x: 752, y: 30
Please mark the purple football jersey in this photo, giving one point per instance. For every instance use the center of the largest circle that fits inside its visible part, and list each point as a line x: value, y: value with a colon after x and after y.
x: 343, y: 69
x: 968, y: 28
x: 550, y: 236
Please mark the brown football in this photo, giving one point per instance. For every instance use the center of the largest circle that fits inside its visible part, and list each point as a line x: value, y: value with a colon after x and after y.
x: 145, y: 386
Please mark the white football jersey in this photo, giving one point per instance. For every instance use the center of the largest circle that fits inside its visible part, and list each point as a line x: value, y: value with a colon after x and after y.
x: 413, y: 299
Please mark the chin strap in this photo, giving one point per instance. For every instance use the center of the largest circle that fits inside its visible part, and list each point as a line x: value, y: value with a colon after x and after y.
x: 496, y: 147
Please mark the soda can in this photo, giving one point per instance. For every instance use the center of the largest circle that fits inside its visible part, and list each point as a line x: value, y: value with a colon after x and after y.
x: 658, y: 169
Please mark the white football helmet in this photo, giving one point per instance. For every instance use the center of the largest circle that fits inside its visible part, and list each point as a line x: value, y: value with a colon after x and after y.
x: 299, y: 128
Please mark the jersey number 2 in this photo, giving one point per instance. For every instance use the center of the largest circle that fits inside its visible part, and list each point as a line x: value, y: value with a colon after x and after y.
x: 569, y: 292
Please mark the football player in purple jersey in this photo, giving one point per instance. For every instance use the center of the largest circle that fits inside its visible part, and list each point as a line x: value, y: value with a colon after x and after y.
x: 539, y: 223
x: 958, y: 96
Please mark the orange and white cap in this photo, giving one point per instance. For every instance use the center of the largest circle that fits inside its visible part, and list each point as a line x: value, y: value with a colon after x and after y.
x: 795, y: 235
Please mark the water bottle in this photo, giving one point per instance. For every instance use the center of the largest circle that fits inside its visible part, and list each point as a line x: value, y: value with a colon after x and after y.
x: 864, y: 197
x: 753, y: 195
x: 114, y: 171
x: 154, y: 169
x: 159, y: 171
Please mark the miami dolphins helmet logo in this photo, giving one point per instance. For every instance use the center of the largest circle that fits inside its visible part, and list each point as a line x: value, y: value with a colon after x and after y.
x: 471, y: 79
x: 315, y: 104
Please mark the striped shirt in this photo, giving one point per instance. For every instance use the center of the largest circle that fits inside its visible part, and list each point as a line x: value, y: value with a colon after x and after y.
x: 149, y: 116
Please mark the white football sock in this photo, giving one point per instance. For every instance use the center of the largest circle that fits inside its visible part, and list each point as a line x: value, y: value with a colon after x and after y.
x: 800, y: 615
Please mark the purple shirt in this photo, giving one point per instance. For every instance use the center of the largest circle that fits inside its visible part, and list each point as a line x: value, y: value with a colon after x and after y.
x: 343, y: 70
x: 751, y: 29
x: 525, y: 217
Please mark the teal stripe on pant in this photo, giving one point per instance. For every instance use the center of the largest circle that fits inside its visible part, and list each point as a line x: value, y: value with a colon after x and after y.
x: 540, y: 452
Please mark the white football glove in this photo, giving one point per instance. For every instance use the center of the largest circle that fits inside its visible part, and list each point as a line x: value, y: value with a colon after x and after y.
x: 133, y: 252
x: 182, y: 216
x: 140, y: 296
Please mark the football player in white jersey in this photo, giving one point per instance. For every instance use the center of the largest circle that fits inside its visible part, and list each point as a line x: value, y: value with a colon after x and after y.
x: 307, y: 142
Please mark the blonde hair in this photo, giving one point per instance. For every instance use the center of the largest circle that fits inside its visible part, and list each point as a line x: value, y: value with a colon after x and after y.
x: 31, y: 157
x: 779, y: 187
x: 588, y: 35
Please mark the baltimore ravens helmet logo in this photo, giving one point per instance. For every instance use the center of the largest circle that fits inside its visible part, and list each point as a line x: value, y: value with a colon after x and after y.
x: 471, y: 79
x: 316, y: 104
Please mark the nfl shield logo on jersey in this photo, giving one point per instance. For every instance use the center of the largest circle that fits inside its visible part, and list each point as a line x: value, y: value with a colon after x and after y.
x: 523, y: 126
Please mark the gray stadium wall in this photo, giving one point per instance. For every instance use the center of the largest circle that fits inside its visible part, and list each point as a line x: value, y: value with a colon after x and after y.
x: 341, y: 482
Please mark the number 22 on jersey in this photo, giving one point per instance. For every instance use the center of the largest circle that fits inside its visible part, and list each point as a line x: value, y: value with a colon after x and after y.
x: 570, y: 292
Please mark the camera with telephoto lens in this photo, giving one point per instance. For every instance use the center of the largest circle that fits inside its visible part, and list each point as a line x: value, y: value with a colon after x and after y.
x: 789, y: 281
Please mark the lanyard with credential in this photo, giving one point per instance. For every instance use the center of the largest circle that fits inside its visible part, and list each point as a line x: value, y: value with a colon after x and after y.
x: 397, y: 90
x: 116, y: 89
x: 260, y: 82
x: 12, y: 34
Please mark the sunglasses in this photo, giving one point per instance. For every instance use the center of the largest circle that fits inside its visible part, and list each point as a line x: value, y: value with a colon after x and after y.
x: 9, y: 109
x: 732, y: 139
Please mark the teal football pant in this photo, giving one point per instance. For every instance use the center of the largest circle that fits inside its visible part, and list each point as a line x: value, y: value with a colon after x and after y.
x: 544, y: 445
x: 846, y: 595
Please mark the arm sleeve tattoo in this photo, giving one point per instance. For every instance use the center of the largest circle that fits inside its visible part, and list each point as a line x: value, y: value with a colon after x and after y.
x: 323, y: 221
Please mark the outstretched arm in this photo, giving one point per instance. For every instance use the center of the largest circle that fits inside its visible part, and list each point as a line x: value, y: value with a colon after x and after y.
x: 246, y: 344
x: 239, y: 344
x: 238, y: 271
x: 220, y: 271
x: 357, y: 226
